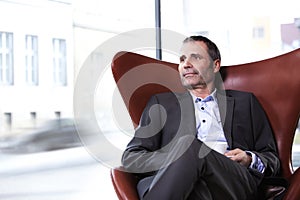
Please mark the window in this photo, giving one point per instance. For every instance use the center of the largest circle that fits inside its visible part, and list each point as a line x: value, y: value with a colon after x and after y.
x: 258, y: 32
x: 59, y: 62
x: 6, y: 58
x: 31, y: 59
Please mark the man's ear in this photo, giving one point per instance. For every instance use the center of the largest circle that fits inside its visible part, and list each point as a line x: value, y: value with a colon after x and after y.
x: 217, y: 65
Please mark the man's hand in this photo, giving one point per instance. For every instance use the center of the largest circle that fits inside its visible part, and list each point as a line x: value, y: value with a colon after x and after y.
x: 239, y: 156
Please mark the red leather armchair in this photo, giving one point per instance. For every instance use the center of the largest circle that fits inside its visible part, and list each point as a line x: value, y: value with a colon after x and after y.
x: 274, y: 81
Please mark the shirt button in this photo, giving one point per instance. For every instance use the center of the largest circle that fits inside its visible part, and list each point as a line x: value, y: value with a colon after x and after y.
x: 203, y: 120
x: 202, y: 108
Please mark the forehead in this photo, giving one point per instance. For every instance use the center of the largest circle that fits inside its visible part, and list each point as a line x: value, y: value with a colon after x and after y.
x: 193, y: 47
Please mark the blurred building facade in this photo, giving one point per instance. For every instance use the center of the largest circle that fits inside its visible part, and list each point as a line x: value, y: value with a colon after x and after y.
x: 36, y: 61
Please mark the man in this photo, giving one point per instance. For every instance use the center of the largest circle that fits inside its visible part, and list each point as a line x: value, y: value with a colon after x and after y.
x: 176, y: 148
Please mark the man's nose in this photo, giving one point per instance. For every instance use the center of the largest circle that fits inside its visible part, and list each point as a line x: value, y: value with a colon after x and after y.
x: 187, y: 63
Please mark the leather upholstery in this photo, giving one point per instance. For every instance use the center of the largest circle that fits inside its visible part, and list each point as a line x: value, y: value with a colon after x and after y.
x: 275, y: 82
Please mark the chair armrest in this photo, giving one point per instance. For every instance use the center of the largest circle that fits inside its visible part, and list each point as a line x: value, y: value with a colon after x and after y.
x: 293, y: 192
x: 124, y: 184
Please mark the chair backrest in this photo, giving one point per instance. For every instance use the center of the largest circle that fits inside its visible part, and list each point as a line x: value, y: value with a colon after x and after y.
x: 275, y: 82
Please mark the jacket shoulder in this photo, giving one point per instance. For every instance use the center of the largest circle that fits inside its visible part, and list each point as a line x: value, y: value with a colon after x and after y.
x: 238, y: 93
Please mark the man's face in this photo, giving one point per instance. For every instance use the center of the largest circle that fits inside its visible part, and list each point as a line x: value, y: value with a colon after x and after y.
x: 196, y: 68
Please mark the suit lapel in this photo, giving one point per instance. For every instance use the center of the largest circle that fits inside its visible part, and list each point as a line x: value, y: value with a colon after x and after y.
x: 188, y: 120
x: 226, y: 105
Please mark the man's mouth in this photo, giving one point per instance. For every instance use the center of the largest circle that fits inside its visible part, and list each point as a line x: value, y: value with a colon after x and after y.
x: 188, y: 74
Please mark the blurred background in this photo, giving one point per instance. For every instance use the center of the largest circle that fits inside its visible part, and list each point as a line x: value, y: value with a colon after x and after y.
x: 44, y: 44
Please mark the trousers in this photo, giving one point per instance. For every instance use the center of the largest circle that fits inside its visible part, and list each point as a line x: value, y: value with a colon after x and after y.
x: 199, y: 173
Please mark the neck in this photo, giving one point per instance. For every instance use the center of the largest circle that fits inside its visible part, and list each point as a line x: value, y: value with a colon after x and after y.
x: 202, y: 92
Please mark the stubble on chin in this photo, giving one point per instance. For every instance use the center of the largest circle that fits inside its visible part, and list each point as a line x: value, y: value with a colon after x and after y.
x: 190, y: 86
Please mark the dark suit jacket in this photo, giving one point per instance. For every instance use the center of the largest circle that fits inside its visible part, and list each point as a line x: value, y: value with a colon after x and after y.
x: 169, y: 116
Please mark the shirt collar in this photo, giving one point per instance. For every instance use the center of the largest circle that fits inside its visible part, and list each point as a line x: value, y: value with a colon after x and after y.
x: 213, y: 95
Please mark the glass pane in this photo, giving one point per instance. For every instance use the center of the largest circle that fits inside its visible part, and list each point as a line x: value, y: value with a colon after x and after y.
x: 244, y: 32
x: 1, y: 69
x: 31, y: 59
x: 59, y: 62
x: 1, y: 35
x: 9, y: 70
x: 62, y: 47
x: 9, y: 41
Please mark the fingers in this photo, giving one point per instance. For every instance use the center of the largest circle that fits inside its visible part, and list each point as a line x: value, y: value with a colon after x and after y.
x: 239, y: 156
x: 233, y: 153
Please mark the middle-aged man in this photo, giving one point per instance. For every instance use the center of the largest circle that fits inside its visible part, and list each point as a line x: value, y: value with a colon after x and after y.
x: 178, y: 149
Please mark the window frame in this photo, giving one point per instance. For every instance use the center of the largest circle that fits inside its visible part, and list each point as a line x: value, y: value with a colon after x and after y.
x: 59, y: 62
x: 31, y: 60
x: 6, y: 58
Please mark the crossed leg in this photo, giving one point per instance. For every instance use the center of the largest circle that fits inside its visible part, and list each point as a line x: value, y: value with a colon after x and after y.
x: 200, y: 173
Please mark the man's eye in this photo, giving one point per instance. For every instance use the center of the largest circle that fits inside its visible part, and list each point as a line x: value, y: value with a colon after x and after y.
x: 197, y: 57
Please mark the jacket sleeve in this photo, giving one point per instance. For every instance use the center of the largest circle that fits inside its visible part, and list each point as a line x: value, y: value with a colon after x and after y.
x: 265, y: 146
x: 142, y: 154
